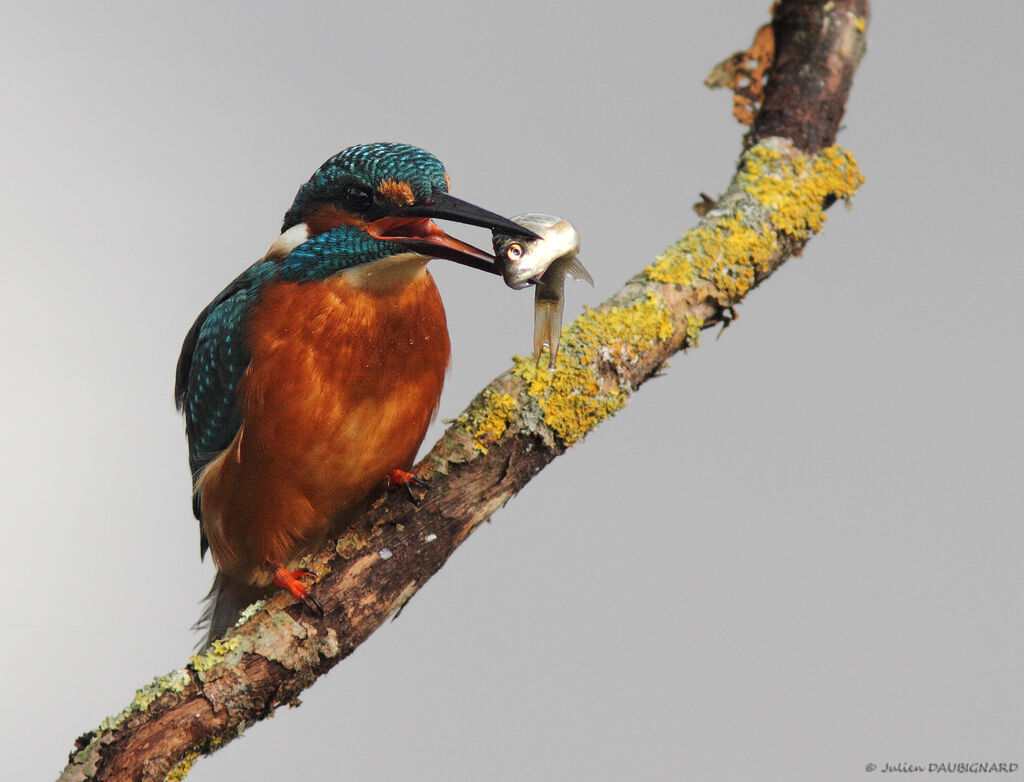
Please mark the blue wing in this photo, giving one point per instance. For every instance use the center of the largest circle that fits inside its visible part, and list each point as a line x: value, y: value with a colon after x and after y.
x: 213, y: 359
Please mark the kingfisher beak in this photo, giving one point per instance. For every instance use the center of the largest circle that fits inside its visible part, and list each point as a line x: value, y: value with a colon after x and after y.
x: 413, y: 227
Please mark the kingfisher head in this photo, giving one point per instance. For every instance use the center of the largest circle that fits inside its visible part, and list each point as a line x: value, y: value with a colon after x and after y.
x: 373, y: 201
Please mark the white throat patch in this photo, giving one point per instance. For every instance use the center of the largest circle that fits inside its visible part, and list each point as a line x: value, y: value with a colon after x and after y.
x: 286, y: 242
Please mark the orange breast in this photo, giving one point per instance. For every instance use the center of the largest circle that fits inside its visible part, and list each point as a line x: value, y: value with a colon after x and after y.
x: 344, y: 379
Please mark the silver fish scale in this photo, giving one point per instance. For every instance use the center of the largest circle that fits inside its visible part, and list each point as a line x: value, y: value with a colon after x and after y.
x: 543, y: 263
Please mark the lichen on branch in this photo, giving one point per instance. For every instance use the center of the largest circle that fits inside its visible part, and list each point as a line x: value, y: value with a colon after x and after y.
x: 778, y: 190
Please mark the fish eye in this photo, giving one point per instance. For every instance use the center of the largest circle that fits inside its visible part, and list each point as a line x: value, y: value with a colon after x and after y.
x: 514, y: 252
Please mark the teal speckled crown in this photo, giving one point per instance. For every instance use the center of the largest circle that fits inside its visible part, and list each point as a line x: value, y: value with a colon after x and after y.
x: 369, y: 164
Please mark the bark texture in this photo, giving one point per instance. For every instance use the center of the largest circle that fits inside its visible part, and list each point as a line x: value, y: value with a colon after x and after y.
x: 788, y: 174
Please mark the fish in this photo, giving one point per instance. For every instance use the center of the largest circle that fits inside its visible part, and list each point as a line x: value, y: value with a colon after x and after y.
x: 543, y: 263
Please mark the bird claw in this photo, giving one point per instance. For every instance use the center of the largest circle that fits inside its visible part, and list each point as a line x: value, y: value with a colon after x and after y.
x: 312, y: 604
x: 290, y: 581
x: 406, y: 479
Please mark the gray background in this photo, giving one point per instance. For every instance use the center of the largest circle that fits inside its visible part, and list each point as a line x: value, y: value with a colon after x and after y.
x: 797, y: 553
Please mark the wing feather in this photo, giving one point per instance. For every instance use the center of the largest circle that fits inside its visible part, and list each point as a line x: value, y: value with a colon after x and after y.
x: 213, y: 359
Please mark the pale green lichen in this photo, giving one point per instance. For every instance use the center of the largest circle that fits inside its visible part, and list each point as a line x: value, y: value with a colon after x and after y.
x: 175, y: 681
x: 776, y: 191
x: 487, y: 420
x: 575, y: 397
x: 273, y: 635
x: 221, y: 650
x: 275, y: 638
x: 249, y: 612
x: 354, y: 541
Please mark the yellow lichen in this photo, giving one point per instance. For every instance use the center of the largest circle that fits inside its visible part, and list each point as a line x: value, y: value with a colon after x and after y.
x: 774, y: 192
x: 721, y: 257
x: 181, y: 769
x: 794, y: 188
x: 574, y: 397
x: 487, y: 421
x: 218, y: 652
x: 183, y: 766
x: 111, y: 722
x: 693, y: 327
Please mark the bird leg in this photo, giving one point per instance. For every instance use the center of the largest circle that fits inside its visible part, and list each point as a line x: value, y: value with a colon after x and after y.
x: 290, y: 580
x: 406, y: 479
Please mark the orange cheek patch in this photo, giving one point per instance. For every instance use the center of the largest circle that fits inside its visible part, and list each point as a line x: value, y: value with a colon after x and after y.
x: 399, y: 192
x: 324, y: 218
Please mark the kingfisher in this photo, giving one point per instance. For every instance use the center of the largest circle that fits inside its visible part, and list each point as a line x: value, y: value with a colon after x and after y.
x: 308, y: 383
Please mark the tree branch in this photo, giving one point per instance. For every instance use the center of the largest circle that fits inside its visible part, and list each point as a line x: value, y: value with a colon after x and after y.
x: 787, y: 176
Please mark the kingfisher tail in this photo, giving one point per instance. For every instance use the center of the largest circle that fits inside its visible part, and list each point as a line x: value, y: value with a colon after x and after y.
x: 224, y: 604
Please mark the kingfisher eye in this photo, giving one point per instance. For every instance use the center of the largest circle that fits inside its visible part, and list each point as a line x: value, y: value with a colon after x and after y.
x: 357, y: 198
x: 514, y: 252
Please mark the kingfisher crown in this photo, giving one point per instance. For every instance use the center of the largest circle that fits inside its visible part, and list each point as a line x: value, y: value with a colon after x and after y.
x: 370, y: 165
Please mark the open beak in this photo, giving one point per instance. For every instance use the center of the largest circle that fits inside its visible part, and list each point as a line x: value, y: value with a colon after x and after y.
x: 414, y: 229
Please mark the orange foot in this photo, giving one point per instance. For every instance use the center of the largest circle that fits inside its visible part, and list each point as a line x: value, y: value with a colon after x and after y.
x: 290, y: 580
x: 406, y: 479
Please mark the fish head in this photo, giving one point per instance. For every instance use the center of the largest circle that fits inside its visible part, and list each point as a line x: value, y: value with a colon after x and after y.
x: 522, y: 260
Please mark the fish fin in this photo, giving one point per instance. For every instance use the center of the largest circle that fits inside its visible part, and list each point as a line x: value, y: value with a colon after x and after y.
x: 575, y: 270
